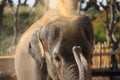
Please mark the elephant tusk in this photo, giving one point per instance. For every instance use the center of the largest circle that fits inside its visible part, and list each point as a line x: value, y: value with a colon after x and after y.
x: 77, y: 54
x: 41, y: 48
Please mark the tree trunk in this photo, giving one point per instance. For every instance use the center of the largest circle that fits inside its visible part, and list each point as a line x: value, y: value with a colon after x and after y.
x: 79, y: 6
x: 1, y: 17
x: 110, y: 27
x: 110, y: 34
x: 15, y: 16
x: 25, y: 2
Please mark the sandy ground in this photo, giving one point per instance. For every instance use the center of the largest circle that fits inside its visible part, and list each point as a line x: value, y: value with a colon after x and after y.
x: 100, y: 78
x: 8, y: 77
x: 13, y: 77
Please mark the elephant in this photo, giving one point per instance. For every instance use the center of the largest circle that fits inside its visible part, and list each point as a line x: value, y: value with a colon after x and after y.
x: 56, y: 47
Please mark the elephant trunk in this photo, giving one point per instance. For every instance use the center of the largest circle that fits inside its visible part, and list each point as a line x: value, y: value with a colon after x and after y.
x: 71, y: 72
x: 79, y: 70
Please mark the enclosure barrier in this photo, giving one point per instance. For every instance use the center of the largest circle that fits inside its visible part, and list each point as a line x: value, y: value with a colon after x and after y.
x: 7, y: 69
x: 102, y: 63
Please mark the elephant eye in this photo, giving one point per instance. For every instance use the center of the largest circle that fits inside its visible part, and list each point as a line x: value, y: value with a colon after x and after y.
x: 57, y: 58
x: 57, y: 61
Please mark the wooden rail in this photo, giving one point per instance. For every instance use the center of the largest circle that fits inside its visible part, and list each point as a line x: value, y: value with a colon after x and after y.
x: 105, y: 72
x: 117, y: 52
x: 7, y: 65
x: 102, y: 56
x: 102, y: 60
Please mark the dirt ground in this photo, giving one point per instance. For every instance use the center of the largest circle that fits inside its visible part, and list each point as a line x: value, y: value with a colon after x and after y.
x: 8, y: 77
x: 100, y: 78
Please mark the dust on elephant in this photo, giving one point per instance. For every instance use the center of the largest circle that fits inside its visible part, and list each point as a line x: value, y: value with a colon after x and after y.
x: 46, y: 50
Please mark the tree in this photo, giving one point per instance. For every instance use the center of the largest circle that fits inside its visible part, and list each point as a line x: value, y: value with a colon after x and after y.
x: 42, y: 3
x: 2, y: 6
x: 38, y: 2
x: 15, y: 17
x: 91, y: 7
x: 113, y: 10
x: 25, y: 2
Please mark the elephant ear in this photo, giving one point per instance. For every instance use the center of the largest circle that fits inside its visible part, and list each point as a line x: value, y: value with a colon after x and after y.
x: 88, y: 28
x: 35, y: 47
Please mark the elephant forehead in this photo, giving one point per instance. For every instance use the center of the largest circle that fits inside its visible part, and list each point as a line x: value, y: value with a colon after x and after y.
x: 61, y: 30
x: 67, y: 37
x: 65, y: 44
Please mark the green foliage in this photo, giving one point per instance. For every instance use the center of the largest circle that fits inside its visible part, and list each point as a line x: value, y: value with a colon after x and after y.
x: 7, y: 23
x: 10, y: 2
x: 117, y: 33
x: 5, y: 43
x: 26, y: 17
x: 99, y: 34
x: 99, y: 30
x: 22, y: 25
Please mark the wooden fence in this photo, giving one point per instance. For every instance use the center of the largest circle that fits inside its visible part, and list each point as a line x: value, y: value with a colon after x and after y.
x: 102, y: 56
x: 7, y: 69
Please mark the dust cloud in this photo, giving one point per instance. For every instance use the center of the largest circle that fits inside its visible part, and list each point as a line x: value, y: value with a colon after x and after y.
x: 65, y: 7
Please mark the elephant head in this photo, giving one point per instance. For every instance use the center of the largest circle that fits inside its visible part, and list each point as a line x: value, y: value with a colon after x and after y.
x: 55, y: 44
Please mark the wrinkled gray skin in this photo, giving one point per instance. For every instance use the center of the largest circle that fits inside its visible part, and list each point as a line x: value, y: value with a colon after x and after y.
x: 60, y: 36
